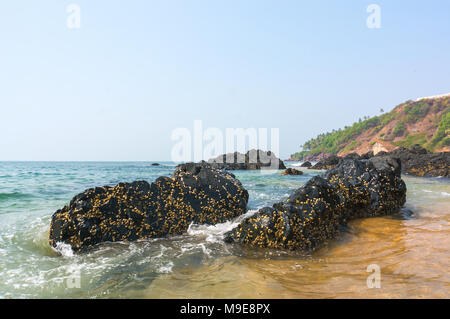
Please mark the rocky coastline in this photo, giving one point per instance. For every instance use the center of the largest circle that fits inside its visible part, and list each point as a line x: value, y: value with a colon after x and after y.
x: 416, y: 161
x: 202, y: 194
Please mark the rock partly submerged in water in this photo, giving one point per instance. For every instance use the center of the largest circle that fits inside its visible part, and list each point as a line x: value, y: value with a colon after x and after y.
x: 327, y: 163
x: 292, y: 171
x: 252, y: 160
x: 415, y: 161
x: 306, y: 164
x: 196, y: 193
x: 315, y: 212
x: 418, y: 161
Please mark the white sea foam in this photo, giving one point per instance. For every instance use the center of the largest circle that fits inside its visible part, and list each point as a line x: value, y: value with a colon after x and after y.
x: 64, y: 249
x: 167, y: 268
x: 263, y: 196
x: 161, y: 253
x: 445, y: 194
x: 186, y: 248
x: 214, y: 233
x: 205, y: 250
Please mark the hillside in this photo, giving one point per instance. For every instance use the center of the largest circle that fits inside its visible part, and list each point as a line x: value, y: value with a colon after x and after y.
x: 425, y: 121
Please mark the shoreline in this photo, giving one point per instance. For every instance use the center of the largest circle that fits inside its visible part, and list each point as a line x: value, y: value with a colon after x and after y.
x: 200, y: 258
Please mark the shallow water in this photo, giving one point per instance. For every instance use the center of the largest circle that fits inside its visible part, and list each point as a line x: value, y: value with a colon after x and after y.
x: 413, y: 252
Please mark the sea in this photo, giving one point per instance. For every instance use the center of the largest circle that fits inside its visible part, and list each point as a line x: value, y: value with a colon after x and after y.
x: 408, y: 253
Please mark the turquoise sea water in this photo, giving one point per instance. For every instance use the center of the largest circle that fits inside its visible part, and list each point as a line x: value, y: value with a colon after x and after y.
x: 199, y: 264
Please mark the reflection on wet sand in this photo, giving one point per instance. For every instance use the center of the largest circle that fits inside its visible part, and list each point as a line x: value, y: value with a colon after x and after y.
x: 410, y: 253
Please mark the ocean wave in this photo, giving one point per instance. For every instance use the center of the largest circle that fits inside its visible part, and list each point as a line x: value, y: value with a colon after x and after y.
x: 445, y: 194
x: 14, y: 195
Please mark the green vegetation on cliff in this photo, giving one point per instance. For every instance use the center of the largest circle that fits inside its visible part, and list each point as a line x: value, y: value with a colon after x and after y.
x: 425, y: 122
x: 441, y: 138
x: 333, y: 142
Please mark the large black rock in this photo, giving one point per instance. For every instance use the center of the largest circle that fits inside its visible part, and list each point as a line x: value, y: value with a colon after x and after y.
x: 327, y: 162
x: 196, y: 193
x: 315, y: 212
x: 415, y: 161
x: 418, y: 161
x: 252, y: 160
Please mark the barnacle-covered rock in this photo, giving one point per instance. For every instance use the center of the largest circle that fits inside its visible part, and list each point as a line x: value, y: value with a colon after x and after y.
x: 252, y: 160
x: 196, y: 193
x: 315, y: 212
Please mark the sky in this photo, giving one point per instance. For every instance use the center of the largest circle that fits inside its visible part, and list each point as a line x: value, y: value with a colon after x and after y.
x: 117, y: 87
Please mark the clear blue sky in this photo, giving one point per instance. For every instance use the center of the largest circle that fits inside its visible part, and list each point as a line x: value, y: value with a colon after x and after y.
x: 116, y: 88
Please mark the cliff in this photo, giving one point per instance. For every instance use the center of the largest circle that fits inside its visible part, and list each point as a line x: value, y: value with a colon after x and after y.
x: 424, y: 122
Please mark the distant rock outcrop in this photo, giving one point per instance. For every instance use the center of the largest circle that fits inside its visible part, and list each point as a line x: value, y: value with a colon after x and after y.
x: 315, y: 212
x: 415, y: 161
x: 306, y: 164
x: 196, y: 193
x: 292, y: 171
x: 252, y: 160
x: 327, y: 163
x: 418, y: 161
